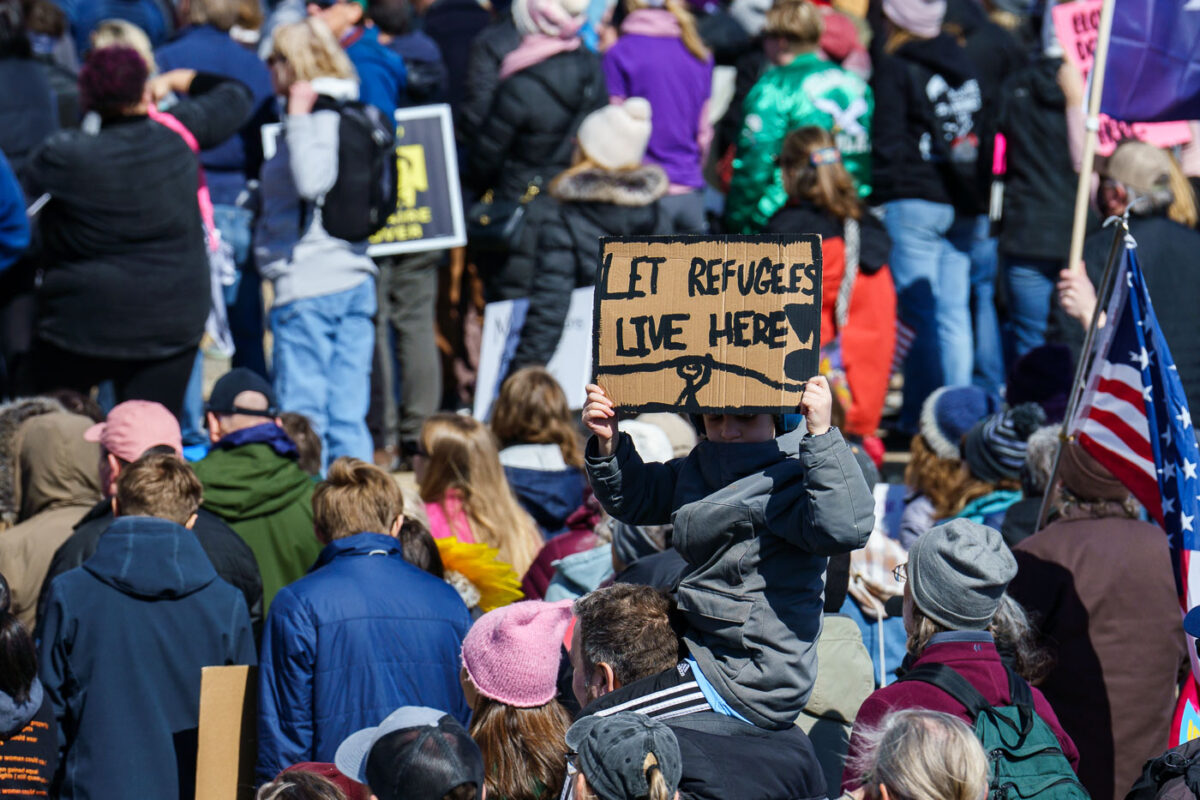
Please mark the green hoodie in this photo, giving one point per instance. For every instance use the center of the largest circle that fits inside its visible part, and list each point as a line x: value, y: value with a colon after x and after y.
x: 267, y: 499
x: 808, y: 91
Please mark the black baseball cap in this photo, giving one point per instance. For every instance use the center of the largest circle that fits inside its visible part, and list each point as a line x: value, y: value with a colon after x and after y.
x: 416, y: 753
x: 233, y: 383
x: 612, y: 754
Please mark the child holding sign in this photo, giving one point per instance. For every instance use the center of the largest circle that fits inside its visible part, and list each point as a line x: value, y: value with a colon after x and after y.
x: 757, y: 511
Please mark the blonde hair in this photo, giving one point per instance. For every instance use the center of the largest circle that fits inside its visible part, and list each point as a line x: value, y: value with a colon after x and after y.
x: 688, y: 32
x: 656, y: 782
x: 463, y: 457
x: 826, y: 185
x: 158, y: 485
x: 312, y: 51
x: 923, y: 755
x: 221, y: 14
x: 1183, y: 203
x: 118, y: 32
x: 532, y: 409
x: 798, y: 21
x: 355, y: 497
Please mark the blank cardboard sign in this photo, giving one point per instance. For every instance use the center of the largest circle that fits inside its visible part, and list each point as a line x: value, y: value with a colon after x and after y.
x: 228, y: 744
x: 701, y: 324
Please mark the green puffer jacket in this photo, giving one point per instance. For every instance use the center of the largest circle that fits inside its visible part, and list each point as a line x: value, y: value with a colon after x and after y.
x: 808, y: 91
x: 267, y: 499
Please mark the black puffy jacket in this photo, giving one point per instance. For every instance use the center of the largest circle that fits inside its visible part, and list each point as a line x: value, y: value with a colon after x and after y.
x: 527, y: 134
x: 559, y: 247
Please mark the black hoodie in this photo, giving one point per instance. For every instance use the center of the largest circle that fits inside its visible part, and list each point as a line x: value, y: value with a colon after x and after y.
x: 904, y: 157
x: 1040, y: 182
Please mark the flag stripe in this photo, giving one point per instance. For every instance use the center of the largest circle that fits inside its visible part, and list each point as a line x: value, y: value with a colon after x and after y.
x: 1123, y: 391
x: 1140, y: 484
x: 1135, y: 440
x: 1105, y: 438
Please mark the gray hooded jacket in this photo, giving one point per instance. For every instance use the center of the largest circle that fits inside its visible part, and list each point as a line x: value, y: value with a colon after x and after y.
x: 755, y: 522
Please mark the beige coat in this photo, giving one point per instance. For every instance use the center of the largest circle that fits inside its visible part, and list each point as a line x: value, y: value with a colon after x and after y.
x: 59, y: 483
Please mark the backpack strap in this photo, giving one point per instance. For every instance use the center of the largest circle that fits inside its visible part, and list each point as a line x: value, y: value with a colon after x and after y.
x: 952, y: 683
x: 1021, y: 696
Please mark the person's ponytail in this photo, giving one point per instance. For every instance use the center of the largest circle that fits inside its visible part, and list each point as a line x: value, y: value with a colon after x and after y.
x: 689, y: 34
x: 18, y: 658
x: 656, y: 783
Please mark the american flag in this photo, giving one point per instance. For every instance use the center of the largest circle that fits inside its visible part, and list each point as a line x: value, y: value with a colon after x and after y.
x: 1133, y: 418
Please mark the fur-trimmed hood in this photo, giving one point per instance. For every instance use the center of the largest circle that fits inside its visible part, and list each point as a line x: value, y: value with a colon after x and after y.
x: 639, y: 186
x: 12, y: 415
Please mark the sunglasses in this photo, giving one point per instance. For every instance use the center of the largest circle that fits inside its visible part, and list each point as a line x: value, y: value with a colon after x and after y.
x: 276, y: 58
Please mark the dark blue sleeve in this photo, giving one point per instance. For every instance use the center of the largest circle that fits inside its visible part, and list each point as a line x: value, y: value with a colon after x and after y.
x: 285, y: 697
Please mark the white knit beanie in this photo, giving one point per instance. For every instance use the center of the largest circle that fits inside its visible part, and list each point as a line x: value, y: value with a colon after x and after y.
x: 616, y: 136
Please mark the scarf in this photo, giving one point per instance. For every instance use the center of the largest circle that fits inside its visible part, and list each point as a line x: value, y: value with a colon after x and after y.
x: 652, y: 22
x: 534, y: 49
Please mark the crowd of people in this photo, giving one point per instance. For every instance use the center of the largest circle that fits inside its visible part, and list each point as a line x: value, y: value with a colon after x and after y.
x: 555, y: 601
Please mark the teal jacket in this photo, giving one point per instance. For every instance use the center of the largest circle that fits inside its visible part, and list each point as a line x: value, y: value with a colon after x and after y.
x: 808, y: 91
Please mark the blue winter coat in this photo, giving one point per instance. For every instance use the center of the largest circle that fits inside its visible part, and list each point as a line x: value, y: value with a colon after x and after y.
x: 123, y: 642
x: 362, y: 634
x: 382, y: 75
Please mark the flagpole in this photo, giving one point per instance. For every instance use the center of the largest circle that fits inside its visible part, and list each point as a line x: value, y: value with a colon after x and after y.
x: 1083, y: 368
x: 1091, y: 134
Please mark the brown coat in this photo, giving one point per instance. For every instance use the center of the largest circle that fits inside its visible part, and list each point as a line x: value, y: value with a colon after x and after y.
x: 59, y: 483
x: 1101, y: 593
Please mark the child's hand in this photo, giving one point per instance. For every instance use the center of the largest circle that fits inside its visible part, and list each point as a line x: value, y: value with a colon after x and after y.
x: 816, y: 404
x: 600, y: 417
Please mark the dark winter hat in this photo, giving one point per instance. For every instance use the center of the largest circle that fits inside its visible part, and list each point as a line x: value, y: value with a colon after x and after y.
x: 233, y: 383
x: 617, y: 753
x: 112, y: 80
x: 416, y: 753
x: 1086, y: 478
x: 1044, y: 376
x: 949, y: 413
x: 995, y: 448
x: 957, y: 572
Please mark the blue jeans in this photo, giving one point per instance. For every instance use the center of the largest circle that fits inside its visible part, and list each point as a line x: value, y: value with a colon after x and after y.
x: 931, y: 266
x: 192, y: 423
x: 1030, y: 284
x: 988, y: 373
x: 243, y: 300
x: 322, y: 359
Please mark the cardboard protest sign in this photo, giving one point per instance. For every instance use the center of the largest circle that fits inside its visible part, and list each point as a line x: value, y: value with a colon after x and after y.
x: 429, y: 210
x: 571, y: 364
x: 228, y: 740
x: 1077, y: 25
x: 697, y: 324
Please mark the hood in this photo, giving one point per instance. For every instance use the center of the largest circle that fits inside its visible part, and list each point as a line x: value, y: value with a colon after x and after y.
x: 549, y: 496
x: 15, y: 716
x: 941, y: 55
x: 12, y: 416
x: 151, y: 558
x: 360, y: 544
x: 267, y: 433
x: 337, y: 88
x: 965, y: 16
x: 251, y: 481
x: 724, y: 463
x: 58, y: 468
x: 639, y: 186
x: 580, y: 573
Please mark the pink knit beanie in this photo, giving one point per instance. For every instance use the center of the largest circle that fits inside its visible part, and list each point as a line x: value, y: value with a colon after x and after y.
x: 512, y: 653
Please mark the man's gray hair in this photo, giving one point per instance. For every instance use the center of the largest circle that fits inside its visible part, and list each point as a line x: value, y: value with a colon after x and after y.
x: 1039, y: 460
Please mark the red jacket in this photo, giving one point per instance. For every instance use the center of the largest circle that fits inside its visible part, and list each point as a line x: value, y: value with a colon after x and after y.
x: 980, y: 664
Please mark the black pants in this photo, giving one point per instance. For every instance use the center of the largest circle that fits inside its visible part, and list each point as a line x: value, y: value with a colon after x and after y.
x: 161, y: 380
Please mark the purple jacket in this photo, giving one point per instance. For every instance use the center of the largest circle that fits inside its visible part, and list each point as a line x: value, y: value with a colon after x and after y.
x: 650, y: 61
x: 979, y: 663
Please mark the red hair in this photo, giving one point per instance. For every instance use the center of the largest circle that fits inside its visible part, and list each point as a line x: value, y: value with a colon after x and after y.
x: 112, y: 80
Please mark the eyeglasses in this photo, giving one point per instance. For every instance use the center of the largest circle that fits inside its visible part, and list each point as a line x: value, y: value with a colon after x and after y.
x: 900, y: 573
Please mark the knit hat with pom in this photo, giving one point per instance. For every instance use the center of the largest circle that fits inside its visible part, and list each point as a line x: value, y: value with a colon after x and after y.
x: 995, y: 448
x: 948, y: 413
x: 616, y: 136
x: 512, y: 653
x: 560, y: 19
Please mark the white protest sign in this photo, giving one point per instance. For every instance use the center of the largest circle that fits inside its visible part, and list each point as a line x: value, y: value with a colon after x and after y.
x: 571, y: 364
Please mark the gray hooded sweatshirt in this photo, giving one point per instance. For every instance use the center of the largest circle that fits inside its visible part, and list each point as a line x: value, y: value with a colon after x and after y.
x: 291, y: 247
x: 755, y: 522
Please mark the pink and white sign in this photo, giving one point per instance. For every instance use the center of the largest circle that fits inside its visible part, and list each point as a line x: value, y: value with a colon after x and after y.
x: 1078, y: 27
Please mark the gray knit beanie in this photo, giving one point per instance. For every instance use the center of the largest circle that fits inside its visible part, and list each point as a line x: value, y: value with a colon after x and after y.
x: 958, y: 570
x: 995, y: 448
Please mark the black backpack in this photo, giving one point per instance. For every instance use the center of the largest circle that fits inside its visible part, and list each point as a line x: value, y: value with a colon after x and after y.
x: 364, y: 194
